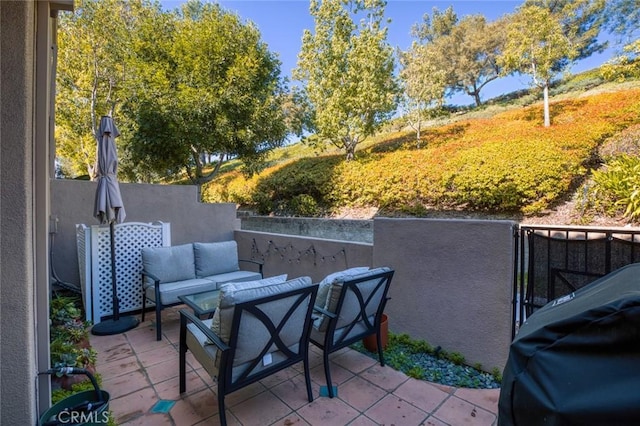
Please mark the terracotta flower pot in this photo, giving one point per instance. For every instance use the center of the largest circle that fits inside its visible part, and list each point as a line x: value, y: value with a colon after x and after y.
x: 370, y: 342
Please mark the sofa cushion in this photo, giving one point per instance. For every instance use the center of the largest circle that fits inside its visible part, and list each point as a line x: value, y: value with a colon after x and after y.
x: 215, y: 258
x: 351, y: 306
x: 204, y: 352
x: 169, y: 292
x: 252, y: 335
x: 169, y: 264
x: 324, y: 285
x: 227, y: 290
x: 233, y: 277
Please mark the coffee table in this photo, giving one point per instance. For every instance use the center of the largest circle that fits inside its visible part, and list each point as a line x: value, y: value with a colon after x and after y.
x: 204, y: 303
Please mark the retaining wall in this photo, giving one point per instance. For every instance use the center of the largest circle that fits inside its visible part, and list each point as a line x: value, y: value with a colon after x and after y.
x: 72, y: 203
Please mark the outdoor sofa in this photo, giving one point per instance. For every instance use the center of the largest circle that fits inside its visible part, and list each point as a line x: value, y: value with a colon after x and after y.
x: 171, y: 272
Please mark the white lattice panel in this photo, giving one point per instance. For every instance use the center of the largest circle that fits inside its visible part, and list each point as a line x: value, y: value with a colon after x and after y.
x: 84, y: 262
x: 130, y: 238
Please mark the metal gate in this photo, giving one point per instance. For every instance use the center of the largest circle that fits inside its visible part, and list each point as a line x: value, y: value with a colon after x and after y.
x: 552, y: 262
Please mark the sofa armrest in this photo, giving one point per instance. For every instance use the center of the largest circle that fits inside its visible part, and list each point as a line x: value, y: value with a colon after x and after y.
x: 156, y: 280
x: 186, y: 317
x: 255, y: 262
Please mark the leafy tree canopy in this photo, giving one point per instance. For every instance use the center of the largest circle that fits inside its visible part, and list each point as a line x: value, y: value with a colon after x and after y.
x: 189, y: 89
x: 348, y: 71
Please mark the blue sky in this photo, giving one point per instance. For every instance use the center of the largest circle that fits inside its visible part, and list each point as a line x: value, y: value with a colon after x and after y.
x: 282, y: 23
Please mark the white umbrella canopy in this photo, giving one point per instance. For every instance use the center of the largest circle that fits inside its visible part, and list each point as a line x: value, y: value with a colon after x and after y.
x: 108, y: 204
x: 109, y: 209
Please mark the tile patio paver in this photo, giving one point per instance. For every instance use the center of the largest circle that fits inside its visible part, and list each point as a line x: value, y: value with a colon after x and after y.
x: 139, y: 371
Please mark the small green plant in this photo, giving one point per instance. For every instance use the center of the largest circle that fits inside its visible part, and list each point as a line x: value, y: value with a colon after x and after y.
x: 416, y: 372
x: 69, y: 334
x: 456, y: 358
x: 497, y: 374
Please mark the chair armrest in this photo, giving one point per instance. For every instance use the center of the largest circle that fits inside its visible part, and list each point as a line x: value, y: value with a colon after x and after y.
x: 325, y: 312
x: 255, y: 262
x: 213, y: 337
x: 156, y: 280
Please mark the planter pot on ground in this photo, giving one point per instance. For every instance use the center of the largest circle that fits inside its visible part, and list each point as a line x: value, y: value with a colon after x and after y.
x: 370, y: 342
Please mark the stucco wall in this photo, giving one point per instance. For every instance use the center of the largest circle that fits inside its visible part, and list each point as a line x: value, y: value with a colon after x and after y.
x: 17, y: 289
x: 299, y: 256
x: 453, y: 283
x: 72, y: 203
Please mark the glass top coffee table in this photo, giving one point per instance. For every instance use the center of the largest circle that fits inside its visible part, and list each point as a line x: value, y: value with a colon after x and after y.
x: 204, y: 303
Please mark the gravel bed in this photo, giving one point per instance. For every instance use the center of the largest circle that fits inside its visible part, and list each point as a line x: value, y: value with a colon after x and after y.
x: 434, y: 369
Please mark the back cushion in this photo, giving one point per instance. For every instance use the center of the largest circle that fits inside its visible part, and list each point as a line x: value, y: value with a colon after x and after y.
x: 227, y: 299
x: 215, y: 258
x: 324, y: 285
x: 169, y: 264
x: 351, y: 305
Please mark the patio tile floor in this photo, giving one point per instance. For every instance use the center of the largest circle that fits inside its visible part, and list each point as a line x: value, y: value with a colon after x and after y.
x: 141, y: 376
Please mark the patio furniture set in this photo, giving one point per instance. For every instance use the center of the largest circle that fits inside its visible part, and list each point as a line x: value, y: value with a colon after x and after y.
x: 258, y: 326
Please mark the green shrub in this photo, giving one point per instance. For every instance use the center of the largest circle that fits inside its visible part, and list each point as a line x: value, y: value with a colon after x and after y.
x: 617, y: 187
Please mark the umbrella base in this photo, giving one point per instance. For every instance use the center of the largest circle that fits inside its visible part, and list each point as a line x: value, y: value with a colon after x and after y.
x: 110, y: 326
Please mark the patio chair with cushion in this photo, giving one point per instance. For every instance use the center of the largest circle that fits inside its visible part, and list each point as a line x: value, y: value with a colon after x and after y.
x: 351, y: 311
x: 256, y: 331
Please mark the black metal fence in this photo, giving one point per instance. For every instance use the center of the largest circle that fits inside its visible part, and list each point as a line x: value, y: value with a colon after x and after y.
x: 552, y: 262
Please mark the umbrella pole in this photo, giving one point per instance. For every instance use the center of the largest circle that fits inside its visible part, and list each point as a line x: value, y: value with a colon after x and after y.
x: 114, y: 280
x: 115, y: 325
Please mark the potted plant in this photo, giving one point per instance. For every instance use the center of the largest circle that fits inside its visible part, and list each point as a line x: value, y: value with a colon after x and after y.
x: 70, y: 345
x: 370, y: 342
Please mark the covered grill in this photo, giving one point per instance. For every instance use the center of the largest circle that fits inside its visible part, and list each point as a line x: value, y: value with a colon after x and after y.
x: 577, y: 360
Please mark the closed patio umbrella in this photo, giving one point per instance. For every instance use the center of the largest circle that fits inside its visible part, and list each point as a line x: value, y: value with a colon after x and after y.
x: 110, y: 209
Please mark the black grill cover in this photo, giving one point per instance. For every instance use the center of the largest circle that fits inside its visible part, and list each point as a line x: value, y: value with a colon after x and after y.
x: 576, y: 361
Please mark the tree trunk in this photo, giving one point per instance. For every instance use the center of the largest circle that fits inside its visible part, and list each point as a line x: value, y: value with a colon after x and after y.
x: 476, y: 97
x: 547, y: 119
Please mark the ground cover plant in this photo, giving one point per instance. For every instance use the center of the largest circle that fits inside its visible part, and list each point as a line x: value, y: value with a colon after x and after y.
x: 420, y: 360
x: 505, y: 163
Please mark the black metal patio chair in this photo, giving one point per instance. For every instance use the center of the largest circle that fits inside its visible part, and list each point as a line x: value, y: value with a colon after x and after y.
x: 259, y: 331
x: 352, y: 311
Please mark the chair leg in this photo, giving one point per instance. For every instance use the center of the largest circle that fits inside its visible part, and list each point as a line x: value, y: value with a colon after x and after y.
x: 158, y: 321
x: 144, y: 305
x: 327, y: 373
x: 380, y: 354
x: 182, y: 353
x: 307, y: 378
x: 221, y: 413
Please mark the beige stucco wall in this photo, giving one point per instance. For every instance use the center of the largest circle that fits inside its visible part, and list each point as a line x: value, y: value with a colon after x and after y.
x: 453, y: 283
x: 17, y: 261
x: 72, y: 203
x: 301, y: 256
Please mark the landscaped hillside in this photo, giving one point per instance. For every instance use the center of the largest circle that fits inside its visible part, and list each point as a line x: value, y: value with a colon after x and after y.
x: 508, y: 163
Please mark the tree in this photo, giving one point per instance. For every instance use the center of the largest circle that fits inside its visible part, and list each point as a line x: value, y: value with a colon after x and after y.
x: 623, y: 19
x: 536, y: 44
x: 466, y: 50
x: 581, y: 22
x: 217, y: 95
x: 423, y: 82
x: 348, y: 71
x: 91, y: 76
